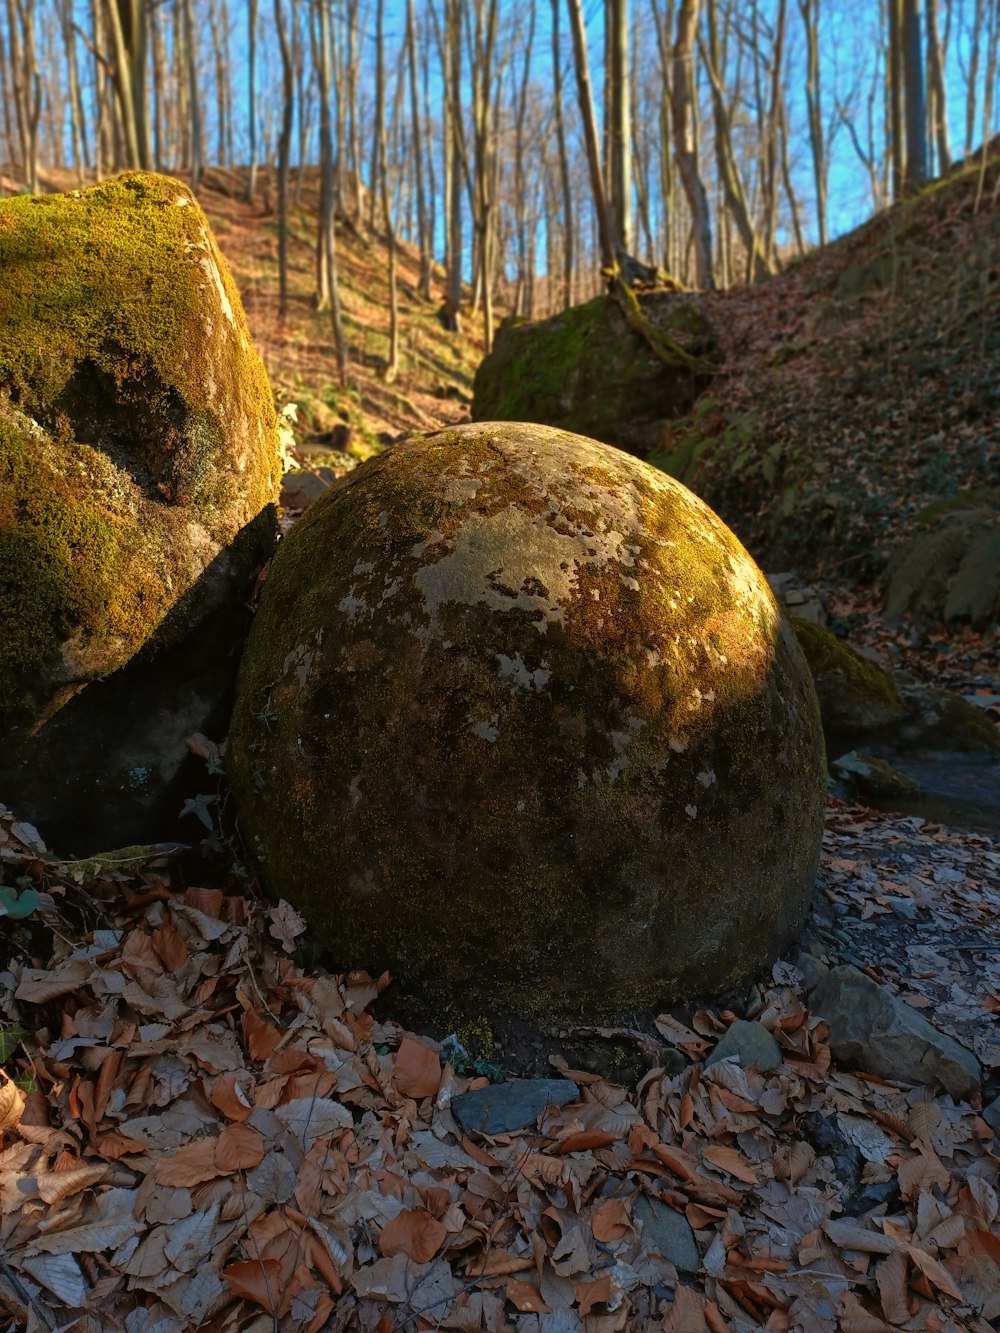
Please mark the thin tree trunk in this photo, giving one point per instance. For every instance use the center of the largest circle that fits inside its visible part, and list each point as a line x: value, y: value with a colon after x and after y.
x: 605, y: 226
x: 937, y: 99
x: 809, y: 9
x: 425, y: 237
x: 729, y: 176
x: 194, y: 105
x: 621, y: 138
x: 564, y: 181
x: 895, y: 90
x: 392, y: 366
x: 685, y: 141
x: 78, y: 118
x: 252, y: 9
x: 916, y: 111
x: 284, y: 154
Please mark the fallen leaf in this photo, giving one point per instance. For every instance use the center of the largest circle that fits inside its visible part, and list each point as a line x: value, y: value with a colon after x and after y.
x: 413, y: 1232
x: 416, y: 1070
x: 526, y: 1297
x: 260, y: 1281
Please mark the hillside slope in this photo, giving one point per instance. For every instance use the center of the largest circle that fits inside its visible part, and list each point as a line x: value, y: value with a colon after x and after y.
x: 858, y: 387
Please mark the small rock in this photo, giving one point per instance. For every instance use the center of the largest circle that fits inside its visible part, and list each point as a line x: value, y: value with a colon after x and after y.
x: 869, y: 775
x: 299, y: 489
x: 991, y: 1114
x: 811, y: 969
x: 751, y: 1043
x: 875, y: 1032
x: 669, y: 1233
x: 503, y: 1108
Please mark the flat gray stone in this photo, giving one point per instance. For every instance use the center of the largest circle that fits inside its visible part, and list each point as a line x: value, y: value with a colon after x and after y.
x: 668, y: 1233
x: 991, y: 1114
x: 751, y: 1043
x: 503, y: 1108
x: 877, y: 1033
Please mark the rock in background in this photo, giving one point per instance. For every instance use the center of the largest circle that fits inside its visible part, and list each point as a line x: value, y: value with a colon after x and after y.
x: 138, y: 474
x: 586, y: 370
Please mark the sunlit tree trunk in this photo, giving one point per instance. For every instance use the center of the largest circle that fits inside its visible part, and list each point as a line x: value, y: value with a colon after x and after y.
x: 564, y: 180
x: 425, y: 238
x: 685, y: 140
x: 284, y: 153
x: 605, y: 226
x: 937, y: 101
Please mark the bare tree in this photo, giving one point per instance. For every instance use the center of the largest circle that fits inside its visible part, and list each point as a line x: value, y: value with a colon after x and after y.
x: 685, y: 141
x: 581, y: 62
x: 916, y: 114
x: 27, y: 85
x: 284, y: 152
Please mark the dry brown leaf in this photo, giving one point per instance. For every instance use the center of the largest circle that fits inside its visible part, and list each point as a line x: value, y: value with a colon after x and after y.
x: 416, y: 1070
x: 526, y: 1297
x: 239, y: 1148
x: 12, y: 1101
x: 732, y: 1162
x: 597, y: 1293
x: 610, y: 1221
x: 57, y: 1186
x: 413, y: 1232
x: 686, y: 1313
x: 232, y: 1094
x: 191, y: 1164
x: 934, y: 1271
x: 260, y: 1281
x: 583, y: 1141
x: 170, y: 946
x: 891, y: 1279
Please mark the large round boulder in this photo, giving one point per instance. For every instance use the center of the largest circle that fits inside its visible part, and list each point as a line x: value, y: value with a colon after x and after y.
x: 520, y: 720
x: 138, y: 474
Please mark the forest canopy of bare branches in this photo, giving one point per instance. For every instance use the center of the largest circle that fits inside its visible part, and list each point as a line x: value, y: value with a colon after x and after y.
x: 727, y: 137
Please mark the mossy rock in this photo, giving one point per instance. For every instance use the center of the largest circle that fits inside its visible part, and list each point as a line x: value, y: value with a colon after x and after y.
x: 520, y: 720
x: 872, y: 776
x: 949, y: 571
x: 136, y: 428
x: 943, y: 722
x: 138, y: 456
x: 586, y: 370
x: 856, y: 696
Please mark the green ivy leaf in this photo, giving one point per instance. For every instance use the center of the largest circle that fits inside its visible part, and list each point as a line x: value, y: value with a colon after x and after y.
x: 17, y: 905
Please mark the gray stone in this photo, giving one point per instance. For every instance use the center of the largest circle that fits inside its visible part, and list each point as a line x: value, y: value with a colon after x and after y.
x: 751, y: 1043
x: 503, y: 1108
x: 991, y: 1114
x: 669, y: 1233
x: 871, y: 775
x: 812, y: 969
x: 300, y: 488
x: 877, y: 1033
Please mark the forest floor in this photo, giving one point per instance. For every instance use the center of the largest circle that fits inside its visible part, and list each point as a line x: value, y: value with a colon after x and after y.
x: 207, y: 1132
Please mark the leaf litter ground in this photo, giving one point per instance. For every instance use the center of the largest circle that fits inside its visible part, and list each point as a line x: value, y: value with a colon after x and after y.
x: 216, y: 1139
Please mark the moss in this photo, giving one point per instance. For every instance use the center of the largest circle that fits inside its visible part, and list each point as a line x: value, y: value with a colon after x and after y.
x: 507, y: 742
x: 856, y: 696
x: 137, y: 431
x: 965, y: 500
x: 586, y: 370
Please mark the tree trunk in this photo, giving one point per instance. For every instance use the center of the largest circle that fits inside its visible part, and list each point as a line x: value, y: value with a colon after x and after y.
x: 392, y: 365
x: 605, y: 226
x: 194, y: 104
x: 809, y: 9
x: 937, y: 100
x: 685, y: 141
x: 252, y: 6
x: 564, y: 180
x: 284, y: 154
x: 895, y: 92
x: 729, y: 176
x: 916, y: 111
x: 618, y: 111
x: 425, y: 238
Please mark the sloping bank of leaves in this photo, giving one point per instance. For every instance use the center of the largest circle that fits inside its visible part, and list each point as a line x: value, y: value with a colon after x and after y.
x: 212, y: 1138
x: 858, y: 387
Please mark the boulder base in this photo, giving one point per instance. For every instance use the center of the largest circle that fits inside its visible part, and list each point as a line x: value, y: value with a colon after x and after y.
x: 520, y: 720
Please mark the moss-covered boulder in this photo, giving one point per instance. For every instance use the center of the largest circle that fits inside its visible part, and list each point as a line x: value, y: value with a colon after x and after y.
x: 856, y: 696
x: 586, y: 370
x: 520, y: 720
x: 138, y: 473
